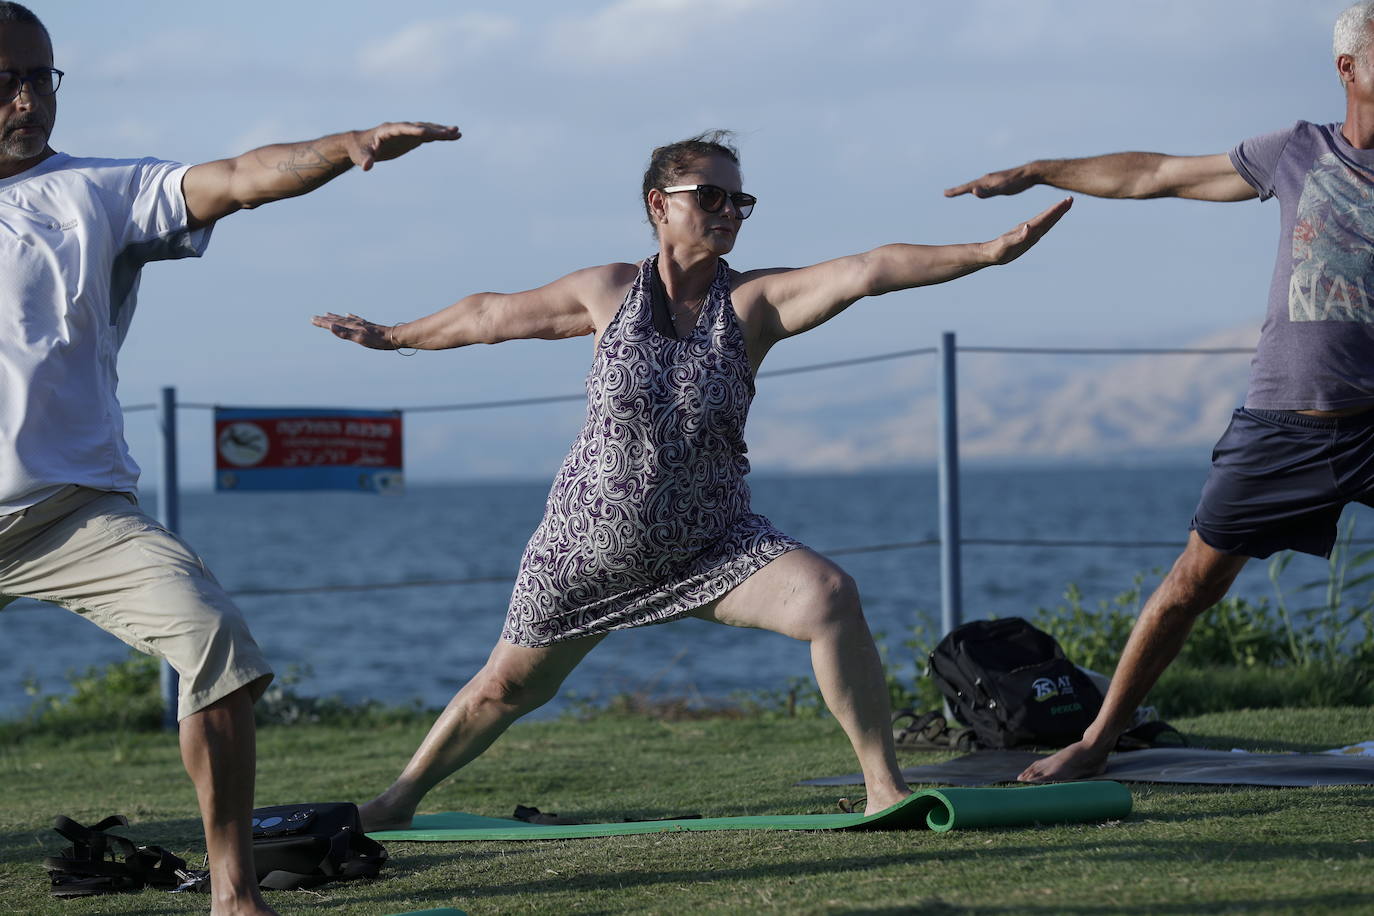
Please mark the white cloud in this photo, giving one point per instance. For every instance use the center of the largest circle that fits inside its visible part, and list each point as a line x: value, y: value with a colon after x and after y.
x: 435, y: 47
x: 628, y: 31
x: 996, y: 27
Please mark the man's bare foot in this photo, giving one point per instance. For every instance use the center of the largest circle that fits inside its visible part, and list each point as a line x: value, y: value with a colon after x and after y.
x: 1077, y: 761
x: 378, y: 815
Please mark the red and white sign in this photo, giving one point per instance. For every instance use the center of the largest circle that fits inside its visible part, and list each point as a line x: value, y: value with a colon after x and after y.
x: 305, y: 441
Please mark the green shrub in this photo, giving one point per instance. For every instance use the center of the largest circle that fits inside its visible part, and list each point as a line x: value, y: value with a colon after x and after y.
x: 121, y: 696
x: 126, y: 696
x: 1184, y: 690
x: 282, y: 704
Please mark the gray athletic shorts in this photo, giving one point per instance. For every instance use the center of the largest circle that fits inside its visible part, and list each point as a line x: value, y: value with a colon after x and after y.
x: 1279, y: 481
x: 96, y: 553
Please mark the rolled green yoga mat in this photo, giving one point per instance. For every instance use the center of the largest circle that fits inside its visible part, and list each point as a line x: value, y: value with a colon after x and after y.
x: 934, y: 809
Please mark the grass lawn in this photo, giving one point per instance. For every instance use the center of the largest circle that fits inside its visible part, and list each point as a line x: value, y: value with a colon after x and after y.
x: 1184, y: 849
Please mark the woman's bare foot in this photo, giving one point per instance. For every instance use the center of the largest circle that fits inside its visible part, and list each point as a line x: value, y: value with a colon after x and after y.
x: 876, y: 803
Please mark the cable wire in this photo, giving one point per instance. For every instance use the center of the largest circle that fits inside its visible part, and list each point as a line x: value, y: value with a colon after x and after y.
x: 1110, y: 351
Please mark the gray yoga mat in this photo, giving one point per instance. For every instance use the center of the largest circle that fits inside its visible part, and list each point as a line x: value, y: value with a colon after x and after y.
x: 1186, y: 765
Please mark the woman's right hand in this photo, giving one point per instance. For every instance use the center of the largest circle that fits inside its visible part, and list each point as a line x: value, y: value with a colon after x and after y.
x: 1012, y: 244
x: 359, y: 330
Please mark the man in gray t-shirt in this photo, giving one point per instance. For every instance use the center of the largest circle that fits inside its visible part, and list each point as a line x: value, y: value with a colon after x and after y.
x: 1302, y: 447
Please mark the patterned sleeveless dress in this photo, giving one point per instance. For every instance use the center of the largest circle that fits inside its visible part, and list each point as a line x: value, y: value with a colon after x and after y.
x: 649, y: 518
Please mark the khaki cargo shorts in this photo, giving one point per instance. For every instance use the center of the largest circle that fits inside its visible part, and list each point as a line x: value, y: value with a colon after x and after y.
x: 97, y: 554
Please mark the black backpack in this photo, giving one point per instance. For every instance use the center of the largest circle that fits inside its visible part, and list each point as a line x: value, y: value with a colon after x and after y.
x: 1012, y: 684
x: 298, y: 846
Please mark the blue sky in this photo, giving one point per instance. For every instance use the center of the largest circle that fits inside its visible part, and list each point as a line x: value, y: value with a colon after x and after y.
x: 851, y: 117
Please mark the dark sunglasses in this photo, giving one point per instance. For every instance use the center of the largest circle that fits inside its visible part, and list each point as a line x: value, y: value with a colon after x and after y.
x: 711, y: 198
x: 43, y: 81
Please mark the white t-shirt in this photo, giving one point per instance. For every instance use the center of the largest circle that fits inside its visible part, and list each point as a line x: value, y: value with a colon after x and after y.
x: 74, y: 234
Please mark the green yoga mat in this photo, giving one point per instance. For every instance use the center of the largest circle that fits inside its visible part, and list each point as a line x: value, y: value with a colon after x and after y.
x: 934, y: 809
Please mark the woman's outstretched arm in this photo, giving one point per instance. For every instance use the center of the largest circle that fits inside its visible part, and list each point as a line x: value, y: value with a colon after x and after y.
x: 570, y: 306
x: 783, y: 303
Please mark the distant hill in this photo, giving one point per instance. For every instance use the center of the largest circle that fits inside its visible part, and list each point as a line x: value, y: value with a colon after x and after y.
x: 1135, y: 409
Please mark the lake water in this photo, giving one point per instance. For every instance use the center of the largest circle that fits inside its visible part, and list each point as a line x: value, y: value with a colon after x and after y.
x: 395, y: 644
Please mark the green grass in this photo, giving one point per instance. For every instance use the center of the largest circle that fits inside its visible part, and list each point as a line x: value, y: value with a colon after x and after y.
x: 1185, y: 849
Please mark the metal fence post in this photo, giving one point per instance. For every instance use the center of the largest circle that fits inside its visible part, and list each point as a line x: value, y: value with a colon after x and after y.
x: 951, y: 579
x: 169, y: 516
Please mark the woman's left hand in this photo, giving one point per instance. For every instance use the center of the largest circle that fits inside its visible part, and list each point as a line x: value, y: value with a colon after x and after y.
x: 359, y: 330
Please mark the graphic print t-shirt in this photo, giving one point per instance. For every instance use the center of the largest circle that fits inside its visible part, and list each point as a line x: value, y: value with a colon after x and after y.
x: 1316, y: 350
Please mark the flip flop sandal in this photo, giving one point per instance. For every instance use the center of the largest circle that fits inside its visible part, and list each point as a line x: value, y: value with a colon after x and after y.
x: 853, y: 805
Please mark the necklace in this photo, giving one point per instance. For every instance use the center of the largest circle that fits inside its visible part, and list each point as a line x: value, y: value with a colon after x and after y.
x: 691, y: 310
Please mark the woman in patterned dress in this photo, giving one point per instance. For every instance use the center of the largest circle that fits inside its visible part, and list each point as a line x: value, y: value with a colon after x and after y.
x: 648, y: 519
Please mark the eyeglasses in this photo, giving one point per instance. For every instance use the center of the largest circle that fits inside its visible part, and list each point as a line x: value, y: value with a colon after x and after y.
x: 43, y: 81
x: 711, y: 198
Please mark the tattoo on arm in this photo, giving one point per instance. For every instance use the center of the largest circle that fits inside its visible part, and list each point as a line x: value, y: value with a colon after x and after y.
x: 308, y: 165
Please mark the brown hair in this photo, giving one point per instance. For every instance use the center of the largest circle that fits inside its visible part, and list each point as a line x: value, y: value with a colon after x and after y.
x: 667, y: 163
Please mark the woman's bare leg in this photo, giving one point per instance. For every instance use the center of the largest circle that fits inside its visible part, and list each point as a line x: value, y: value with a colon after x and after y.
x: 514, y: 681
x: 803, y: 595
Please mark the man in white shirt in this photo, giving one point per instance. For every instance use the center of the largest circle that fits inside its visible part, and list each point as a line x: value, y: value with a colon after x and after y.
x: 74, y: 235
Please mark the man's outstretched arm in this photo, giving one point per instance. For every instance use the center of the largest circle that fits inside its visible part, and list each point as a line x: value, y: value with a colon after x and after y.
x: 260, y: 176
x: 1121, y: 175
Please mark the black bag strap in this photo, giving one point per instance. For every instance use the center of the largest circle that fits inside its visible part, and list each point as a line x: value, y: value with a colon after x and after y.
x: 157, y: 867
x: 94, y: 836
x: 351, y: 854
x: 365, y: 856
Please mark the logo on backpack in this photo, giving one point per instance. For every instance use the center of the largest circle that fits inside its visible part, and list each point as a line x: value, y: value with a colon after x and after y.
x: 1047, y: 688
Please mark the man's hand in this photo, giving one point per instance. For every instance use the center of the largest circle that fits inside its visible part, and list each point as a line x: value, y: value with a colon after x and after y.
x: 993, y: 184
x: 359, y: 330
x: 1011, y: 245
x: 1077, y: 761
x: 393, y: 139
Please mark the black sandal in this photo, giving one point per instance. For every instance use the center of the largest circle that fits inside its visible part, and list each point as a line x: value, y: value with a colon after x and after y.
x: 91, y: 865
x: 929, y: 732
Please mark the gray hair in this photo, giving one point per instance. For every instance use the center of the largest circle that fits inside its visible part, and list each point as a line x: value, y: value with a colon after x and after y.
x: 1352, y: 29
